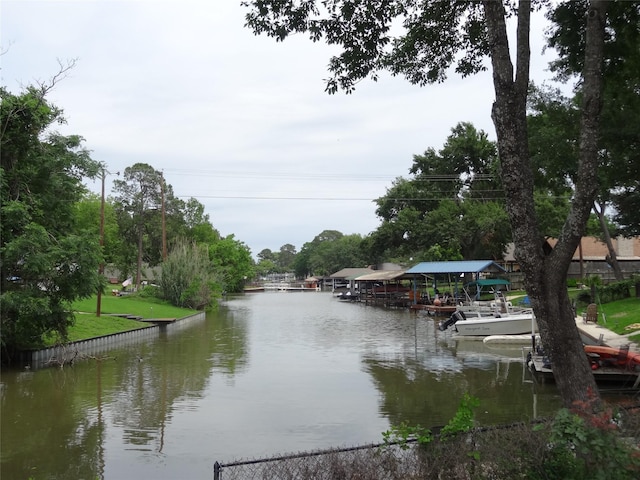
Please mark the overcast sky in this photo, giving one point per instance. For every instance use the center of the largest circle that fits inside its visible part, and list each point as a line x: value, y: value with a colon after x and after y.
x: 239, y: 122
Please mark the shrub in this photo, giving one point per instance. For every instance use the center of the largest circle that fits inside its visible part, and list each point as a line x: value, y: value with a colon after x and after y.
x: 188, y: 278
x: 587, y: 445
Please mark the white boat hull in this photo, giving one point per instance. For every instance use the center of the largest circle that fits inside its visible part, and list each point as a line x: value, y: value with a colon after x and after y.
x: 505, y: 325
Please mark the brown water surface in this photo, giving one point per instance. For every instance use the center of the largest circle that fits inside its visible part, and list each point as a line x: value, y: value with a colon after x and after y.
x: 269, y: 373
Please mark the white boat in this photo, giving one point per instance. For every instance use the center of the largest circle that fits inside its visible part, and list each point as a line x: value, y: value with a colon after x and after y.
x: 499, y: 305
x: 497, y: 324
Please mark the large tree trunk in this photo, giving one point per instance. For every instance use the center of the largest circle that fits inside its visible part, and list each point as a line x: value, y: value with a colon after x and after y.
x: 545, y: 274
x: 612, y: 258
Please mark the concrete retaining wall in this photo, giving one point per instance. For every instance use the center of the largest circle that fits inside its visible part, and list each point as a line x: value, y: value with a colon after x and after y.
x: 73, y: 351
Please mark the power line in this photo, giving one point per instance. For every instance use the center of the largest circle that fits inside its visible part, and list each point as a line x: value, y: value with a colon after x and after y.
x: 283, y: 175
x: 337, y: 199
x: 353, y: 177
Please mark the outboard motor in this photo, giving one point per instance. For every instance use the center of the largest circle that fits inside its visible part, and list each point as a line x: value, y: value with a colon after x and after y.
x: 455, y: 316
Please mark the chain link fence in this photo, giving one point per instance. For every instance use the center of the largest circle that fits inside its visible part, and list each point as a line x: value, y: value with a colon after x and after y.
x: 361, y: 462
x: 497, y: 452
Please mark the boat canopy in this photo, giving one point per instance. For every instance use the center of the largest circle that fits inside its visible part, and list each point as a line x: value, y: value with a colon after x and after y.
x: 456, y: 267
x: 382, y: 276
x: 350, y: 273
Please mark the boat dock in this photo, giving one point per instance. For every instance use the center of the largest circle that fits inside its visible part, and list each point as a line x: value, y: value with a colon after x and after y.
x: 595, y: 334
x: 604, y: 376
x: 289, y: 287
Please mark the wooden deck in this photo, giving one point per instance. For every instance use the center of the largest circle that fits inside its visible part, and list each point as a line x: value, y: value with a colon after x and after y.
x: 604, y: 376
x: 158, y: 320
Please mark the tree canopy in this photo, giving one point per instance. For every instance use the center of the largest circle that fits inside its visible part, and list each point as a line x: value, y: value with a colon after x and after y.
x: 453, y: 201
x: 46, y: 260
x: 329, y: 252
x: 142, y: 199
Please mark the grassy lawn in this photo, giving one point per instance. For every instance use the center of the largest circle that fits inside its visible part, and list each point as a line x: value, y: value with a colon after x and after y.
x: 88, y: 325
x: 146, y: 307
x: 622, y: 317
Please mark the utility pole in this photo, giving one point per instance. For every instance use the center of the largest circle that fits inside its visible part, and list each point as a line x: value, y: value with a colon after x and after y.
x: 103, y: 175
x: 164, y: 226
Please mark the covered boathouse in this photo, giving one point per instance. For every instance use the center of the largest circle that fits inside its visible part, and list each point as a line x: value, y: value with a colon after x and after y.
x: 461, y: 271
x: 410, y: 288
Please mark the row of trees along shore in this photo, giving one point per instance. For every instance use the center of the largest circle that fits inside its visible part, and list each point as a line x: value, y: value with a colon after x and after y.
x: 466, y: 200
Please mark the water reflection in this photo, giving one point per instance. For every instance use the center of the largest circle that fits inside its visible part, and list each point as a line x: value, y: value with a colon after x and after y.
x: 425, y: 386
x: 269, y: 373
x: 54, y: 420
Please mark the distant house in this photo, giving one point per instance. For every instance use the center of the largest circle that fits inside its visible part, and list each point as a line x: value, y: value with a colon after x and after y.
x: 590, y: 258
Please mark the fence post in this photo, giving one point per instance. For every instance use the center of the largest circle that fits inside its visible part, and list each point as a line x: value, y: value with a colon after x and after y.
x: 216, y: 471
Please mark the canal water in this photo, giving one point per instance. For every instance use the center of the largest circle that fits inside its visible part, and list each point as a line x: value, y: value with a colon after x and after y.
x: 269, y: 373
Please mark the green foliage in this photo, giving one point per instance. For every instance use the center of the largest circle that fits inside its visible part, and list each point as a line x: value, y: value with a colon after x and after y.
x: 451, y: 201
x: 602, y: 294
x: 286, y: 257
x: 46, y: 259
x: 437, y: 36
x: 150, y: 291
x: 586, y: 445
x: 232, y: 263
x: 141, y: 196
x: 628, y: 210
x: 87, y: 212
x: 464, y: 419
x: 138, y: 206
x: 188, y: 278
x: 583, y: 297
x: 619, y: 140
x: 329, y: 252
x: 265, y: 267
x: 133, y: 304
x: 615, y: 291
x: 404, y: 433
x: 329, y: 256
x: 89, y: 326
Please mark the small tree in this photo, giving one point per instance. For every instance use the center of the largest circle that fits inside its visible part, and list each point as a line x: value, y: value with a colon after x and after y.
x: 232, y: 260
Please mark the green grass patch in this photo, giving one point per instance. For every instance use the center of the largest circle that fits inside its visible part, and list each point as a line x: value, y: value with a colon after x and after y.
x: 145, y: 307
x: 88, y: 325
x: 622, y: 316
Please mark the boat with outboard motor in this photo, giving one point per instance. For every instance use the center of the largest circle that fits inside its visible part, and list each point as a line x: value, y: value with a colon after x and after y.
x: 499, y: 317
x: 493, y: 324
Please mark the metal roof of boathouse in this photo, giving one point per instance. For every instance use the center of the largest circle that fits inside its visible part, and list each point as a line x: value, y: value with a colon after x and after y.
x: 382, y: 275
x: 351, y: 273
x: 458, y: 267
